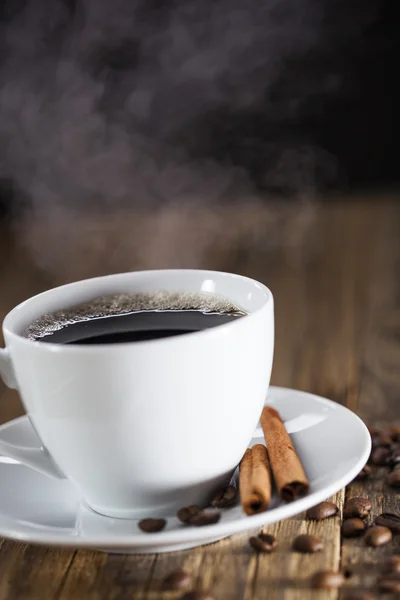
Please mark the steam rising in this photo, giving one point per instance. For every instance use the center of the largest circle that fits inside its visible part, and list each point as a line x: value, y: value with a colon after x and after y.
x: 115, y: 121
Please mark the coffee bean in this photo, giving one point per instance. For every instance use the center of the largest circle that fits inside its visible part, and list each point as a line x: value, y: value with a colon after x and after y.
x: 357, y: 507
x: 372, y: 431
x: 394, y: 458
x: 327, y: 580
x: 395, y: 434
x: 353, y: 528
x: 364, y: 473
x: 379, y: 456
x: 178, y: 580
x: 323, y: 510
x: 225, y: 498
x: 307, y: 544
x: 394, y: 478
x: 359, y: 595
x: 378, y: 536
x: 152, y: 525
x: 392, y: 564
x: 390, y: 520
x: 376, y: 442
x: 382, y: 438
x: 208, y: 516
x: 197, y: 596
x: 185, y: 513
x: 389, y: 583
x: 264, y: 542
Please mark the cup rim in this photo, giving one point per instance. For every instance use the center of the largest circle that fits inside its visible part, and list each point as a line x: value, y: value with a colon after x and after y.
x: 11, y: 333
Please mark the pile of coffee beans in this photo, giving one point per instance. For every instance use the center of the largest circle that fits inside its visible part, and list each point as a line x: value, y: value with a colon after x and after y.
x: 356, y: 511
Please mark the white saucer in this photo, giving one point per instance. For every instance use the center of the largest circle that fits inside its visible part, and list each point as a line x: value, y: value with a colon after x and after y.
x: 332, y: 442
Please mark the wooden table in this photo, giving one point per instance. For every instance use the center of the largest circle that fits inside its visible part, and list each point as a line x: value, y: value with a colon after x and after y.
x: 338, y: 335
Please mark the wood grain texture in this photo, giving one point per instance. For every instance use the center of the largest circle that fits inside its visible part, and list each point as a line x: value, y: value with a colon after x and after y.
x: 337, y: 304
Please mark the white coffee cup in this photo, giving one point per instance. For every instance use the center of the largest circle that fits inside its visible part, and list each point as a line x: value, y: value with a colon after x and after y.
x: 143, y: 428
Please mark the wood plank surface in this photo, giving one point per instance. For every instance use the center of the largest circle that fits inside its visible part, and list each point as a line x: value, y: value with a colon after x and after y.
x: 337, y: 301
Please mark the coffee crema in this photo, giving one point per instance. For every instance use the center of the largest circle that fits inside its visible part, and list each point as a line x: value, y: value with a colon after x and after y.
x: 121, y: 318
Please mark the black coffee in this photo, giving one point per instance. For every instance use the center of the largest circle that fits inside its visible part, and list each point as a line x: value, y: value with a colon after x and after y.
x: 136, y: 327
x: 133, y: 318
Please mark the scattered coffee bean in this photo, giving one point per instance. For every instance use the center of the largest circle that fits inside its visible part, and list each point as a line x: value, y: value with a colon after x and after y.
x: 394, y: 478
x: 392, y: 564
x: 389, y: 583
x: 372, y: 430
x: 357, y: 507
x: 390, y: 520
x: 378, y: 536
x: 152, y: 525
x: 225, y: 498
x: 197, y: 596
x: 323, y: 510
x: 394, y: 458
x: 327, y: 580
x: 364, y: 473
x: 178, y: 580
x: 307, y: 544
x: 208, y: 516
x: 353, y: 528
x: 395, y: 434
x: 264, y: 542
x: 185, y: 513
x: 375, y: 441
x: 379, y: 456
x: 359, y: 595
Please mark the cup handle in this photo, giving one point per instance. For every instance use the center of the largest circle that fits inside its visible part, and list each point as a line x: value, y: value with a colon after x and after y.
x: 6, y: 369
x: 36, y: 458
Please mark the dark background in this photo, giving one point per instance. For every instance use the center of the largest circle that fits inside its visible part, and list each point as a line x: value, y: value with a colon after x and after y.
x: 357, y: 124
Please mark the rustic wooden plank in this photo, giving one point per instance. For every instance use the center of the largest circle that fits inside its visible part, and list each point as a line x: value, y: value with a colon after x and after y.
x: 189, y: 560
x: 83, y: 575
x: 379, y: 370
x: 118, y: 576
x: 10, y: 555
x: 38, y: 571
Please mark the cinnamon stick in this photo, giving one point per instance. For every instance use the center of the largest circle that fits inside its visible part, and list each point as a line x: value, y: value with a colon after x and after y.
x: 255, y: 480
x: 290, y: 478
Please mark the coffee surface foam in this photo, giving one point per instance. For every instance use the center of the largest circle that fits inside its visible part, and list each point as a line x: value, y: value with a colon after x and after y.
x: 120, y: 304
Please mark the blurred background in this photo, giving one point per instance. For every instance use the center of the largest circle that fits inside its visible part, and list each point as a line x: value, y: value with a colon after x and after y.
x: 163, y: 132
